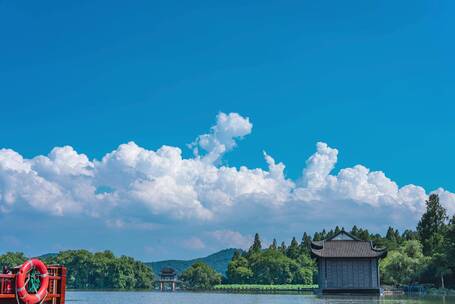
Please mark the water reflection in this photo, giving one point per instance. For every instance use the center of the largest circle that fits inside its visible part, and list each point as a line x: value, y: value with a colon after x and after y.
x: 102, y: 297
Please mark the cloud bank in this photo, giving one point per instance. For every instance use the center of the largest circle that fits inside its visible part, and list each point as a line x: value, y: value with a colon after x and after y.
x: 135, y: 185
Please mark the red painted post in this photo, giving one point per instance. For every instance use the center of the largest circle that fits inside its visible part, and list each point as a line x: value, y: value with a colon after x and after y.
x: 63, y: 285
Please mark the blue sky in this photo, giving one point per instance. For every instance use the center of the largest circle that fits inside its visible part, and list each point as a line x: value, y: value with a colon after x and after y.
x: 373, y: 80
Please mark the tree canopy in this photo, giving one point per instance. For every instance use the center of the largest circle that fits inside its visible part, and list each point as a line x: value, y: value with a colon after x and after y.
x: 432, y: 224
x: 200, y: 276
x: 12, y: 259
x: 424, y: 255
x: 88, y: 270
x: 404, y: 265
x: 283, y: 265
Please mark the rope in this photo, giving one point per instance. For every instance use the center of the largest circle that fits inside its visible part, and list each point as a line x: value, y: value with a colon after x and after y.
x: 17, y: 297
x: 34, y: 282
x: 44, y: 298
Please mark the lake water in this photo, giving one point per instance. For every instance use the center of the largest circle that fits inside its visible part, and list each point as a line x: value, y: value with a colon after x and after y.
x: 100, y: 297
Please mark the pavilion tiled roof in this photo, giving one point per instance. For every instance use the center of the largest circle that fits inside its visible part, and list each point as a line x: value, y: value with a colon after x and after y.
x: 346, y: 248
x: 167, y: 271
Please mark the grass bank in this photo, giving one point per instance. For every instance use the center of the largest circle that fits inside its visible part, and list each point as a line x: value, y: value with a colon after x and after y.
x: 441, y: 292
x: 264, y: 288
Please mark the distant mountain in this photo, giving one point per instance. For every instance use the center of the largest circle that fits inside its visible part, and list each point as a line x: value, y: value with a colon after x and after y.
x: 47, y: 255
x: 218, y: 261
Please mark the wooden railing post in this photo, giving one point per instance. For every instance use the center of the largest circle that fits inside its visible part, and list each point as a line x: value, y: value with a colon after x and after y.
x: 63, y: 286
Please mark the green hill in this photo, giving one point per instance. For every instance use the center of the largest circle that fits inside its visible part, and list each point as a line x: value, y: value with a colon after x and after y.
x: 47, y: 255
x: 218, y: 261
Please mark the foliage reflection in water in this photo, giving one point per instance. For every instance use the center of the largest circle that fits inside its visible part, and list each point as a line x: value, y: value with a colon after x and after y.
x: 102, y: 297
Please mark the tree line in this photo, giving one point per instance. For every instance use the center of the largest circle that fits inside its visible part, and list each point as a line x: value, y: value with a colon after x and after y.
x: 273, y: 265
x: 426, y: 255
x: 100, y: 270
x: 103, y: 270
x: 423, y: 255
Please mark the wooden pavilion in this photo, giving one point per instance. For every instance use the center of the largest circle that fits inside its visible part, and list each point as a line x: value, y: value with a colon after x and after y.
x: 168, y: 279
x: 347, y: 264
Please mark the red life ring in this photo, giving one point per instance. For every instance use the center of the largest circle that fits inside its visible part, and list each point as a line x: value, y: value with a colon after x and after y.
x: 21, y: 289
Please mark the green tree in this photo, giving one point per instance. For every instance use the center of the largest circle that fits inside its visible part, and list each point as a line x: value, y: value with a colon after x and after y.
x: 239, y: 274
x: 439, y: 265
x: 392, y: 235
x: 273, y: 267
x: 303, y: 276
x: 88, y: 270
x: 431, y: 226
x: 257, y: 245
x: 449, y: 245
x: 409, y: 235
x: 443, y: 260
x: 392, y: 239
x: 12, y: 259
x: 363, y: 234
x: 305, y: 245
x: 293, y: 251
x: 237, y: 255
x: 323, y: 234
x: 283, y: 248
x: 308, y: 269
x: 200, y: 276
x: 239, y: 271
x: 273, y: 245
x: 355, y: 231
x: 284, y: 265
x: 405, y: 265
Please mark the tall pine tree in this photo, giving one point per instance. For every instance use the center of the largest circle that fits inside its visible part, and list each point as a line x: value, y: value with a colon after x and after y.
x: 293, y: 250
x: 392, y: 235
x: 283, y: 247
x: 305, y: 245
x: 449, y: 244
x: 273, y: 245
x: 355, y: 231
x: 431, y: 226
x: 257, y: 246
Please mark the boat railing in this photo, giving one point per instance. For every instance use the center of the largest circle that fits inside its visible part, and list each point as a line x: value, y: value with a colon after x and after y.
x: 55, y: 291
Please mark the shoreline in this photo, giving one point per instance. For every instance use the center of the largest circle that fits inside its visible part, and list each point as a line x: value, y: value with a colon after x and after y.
x: 264, y: 291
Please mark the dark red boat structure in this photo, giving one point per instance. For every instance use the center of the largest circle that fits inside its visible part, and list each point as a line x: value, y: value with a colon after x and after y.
x: 55, y: 290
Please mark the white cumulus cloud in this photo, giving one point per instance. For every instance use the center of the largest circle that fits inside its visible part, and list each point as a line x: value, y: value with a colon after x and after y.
x: 136, y: 182
x: 233, y: 239
x: 222, y: 136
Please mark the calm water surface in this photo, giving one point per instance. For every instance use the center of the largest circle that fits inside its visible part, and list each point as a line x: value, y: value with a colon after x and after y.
x: 82, y: 297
